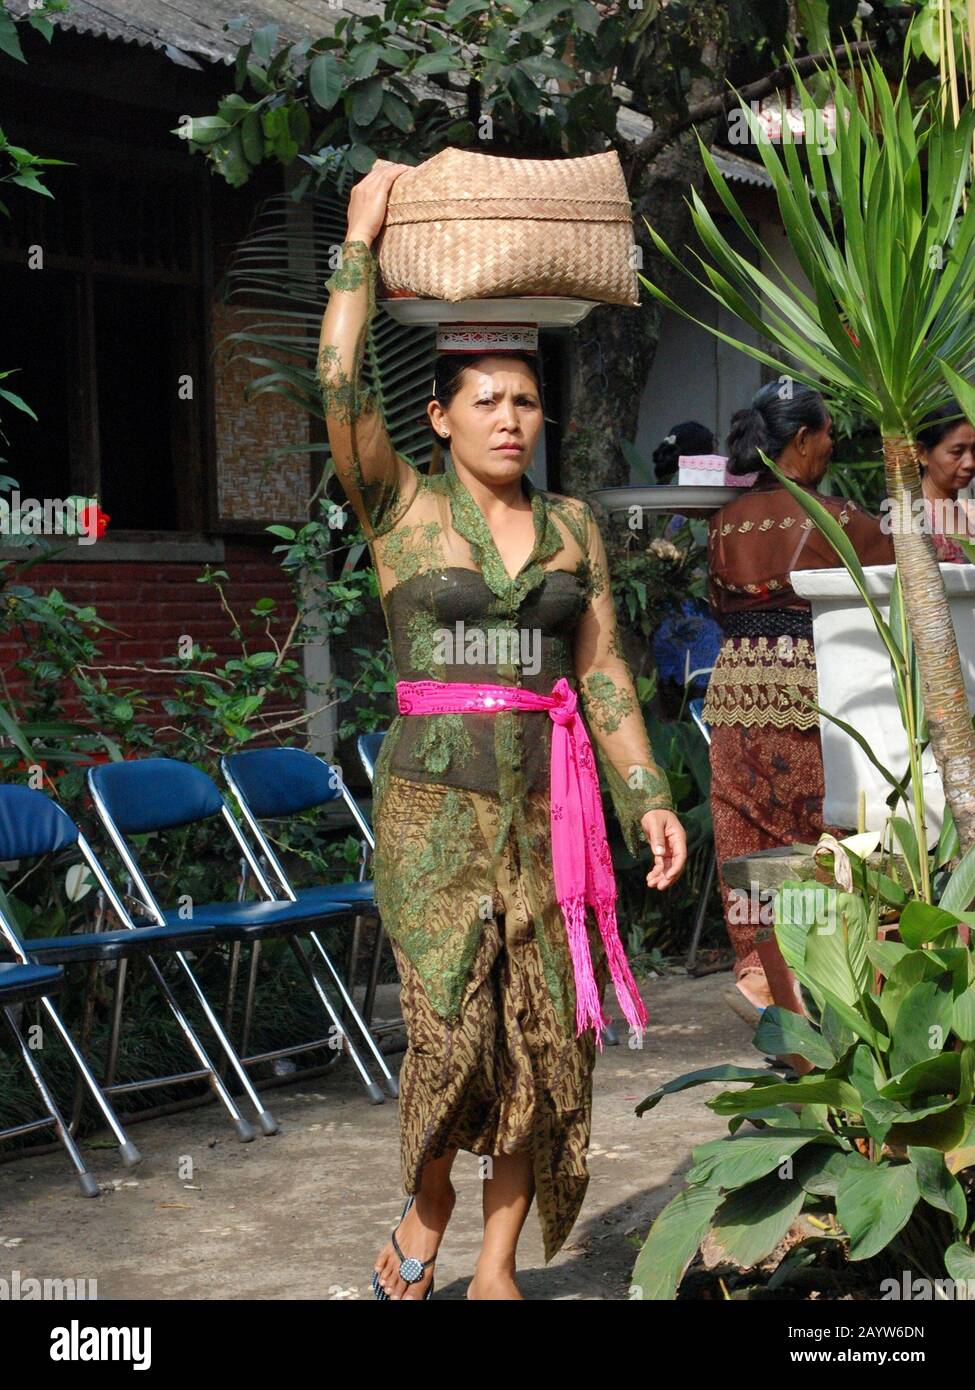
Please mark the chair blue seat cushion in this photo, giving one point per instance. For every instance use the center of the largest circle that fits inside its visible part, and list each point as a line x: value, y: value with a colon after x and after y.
x: 114, y: 945
x: 20, y: 982
x: 250, y: 921
x: 362, y: 895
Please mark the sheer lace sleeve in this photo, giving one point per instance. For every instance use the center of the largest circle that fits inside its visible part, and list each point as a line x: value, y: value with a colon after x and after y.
x: 609, y: 702
x: 378, y: 482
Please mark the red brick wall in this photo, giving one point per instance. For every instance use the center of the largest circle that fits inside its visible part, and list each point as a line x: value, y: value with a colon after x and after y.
x: 154, y: 603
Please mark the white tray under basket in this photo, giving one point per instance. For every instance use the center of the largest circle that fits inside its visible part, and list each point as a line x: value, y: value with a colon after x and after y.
x: 545, y: 311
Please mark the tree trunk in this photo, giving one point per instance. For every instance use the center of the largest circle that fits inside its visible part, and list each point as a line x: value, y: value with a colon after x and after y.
x: 929, y: 618
x: 613, y: 350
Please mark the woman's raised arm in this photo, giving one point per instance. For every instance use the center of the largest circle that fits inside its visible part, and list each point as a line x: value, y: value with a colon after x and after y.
x: 379, y: 484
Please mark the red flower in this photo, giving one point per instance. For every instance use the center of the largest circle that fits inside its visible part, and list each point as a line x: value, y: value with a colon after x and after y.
x: 93, y: 520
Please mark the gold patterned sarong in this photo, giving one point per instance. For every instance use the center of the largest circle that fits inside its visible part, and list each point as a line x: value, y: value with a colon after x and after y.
x: 504, y: 1075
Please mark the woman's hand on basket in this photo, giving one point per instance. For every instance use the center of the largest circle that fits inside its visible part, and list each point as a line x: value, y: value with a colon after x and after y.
x: 665, y: 836
x: 368, y: 199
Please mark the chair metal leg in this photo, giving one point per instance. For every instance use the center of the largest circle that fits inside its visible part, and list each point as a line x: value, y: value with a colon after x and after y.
x: 129, y: 1153
x: 265, y: 1119
x: 369, y: 1003
x: 233, y: 973
x: 372, y: 1089
x: 353, y: 1012
x: 118, y: 998
x: 702, y: 907
x: 352, y: 959
x: 86, y: 1179
x: 245, y: 1032
x: 87, y: 1018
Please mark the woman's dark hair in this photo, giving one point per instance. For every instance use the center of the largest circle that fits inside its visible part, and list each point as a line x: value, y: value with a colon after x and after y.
x: 449, y: 368
x: 777, y: 413
x: 688, y: 438
x: 937, y: 424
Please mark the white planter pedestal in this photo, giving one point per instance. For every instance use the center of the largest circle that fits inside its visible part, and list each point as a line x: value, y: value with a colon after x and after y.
x: 856, y: 684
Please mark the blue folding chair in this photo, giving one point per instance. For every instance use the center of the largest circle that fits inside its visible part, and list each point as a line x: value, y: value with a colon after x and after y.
x: 22, y: 984
x: 31, y: 825
x: 271, y: 783
x: 156, y: 794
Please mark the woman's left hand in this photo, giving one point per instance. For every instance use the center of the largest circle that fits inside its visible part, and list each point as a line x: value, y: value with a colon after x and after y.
x: 665, y: 836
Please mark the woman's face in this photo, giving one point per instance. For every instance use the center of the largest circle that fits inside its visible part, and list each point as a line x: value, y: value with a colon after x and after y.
x: 494, y: 420
x: 950, y: 464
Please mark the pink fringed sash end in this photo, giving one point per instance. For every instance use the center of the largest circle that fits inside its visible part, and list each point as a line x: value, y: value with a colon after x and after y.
x: 627, y: 992
x: 589, y: 1013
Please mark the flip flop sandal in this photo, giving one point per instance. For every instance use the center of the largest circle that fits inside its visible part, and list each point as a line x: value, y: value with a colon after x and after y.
x: 410, y: 1268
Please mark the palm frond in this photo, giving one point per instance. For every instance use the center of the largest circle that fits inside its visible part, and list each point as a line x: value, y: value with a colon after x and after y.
x: 274, y: 287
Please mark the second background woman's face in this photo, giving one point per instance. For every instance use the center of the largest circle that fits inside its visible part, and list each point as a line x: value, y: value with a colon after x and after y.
x: 951, y: 462
x: 495, y: 418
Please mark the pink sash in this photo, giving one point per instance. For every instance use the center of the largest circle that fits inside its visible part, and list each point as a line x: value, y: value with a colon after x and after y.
x: 581, y: 860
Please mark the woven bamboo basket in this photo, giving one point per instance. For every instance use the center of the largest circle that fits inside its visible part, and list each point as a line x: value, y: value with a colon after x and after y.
x: 480, y: 226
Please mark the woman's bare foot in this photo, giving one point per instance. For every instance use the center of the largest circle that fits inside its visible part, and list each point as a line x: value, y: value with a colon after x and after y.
x: 419, y: 1234
x: 496, y: 1283
x: 754, y: 985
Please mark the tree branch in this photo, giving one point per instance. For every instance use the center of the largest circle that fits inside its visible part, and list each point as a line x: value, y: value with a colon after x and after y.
x: 647, y: 150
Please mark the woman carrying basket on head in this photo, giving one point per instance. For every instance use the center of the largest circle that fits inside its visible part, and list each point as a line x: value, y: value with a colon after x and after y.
x: 492, y: 871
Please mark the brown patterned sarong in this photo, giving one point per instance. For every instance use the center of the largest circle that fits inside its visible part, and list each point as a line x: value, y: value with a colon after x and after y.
x: 503, y: 1077
x: 767, y: 791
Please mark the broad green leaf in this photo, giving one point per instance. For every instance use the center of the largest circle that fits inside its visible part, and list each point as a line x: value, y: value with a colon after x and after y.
x: 325, y: 80
x: 865, y: 1074
x: 885, y: 955
x: 907, y: 839
x: 367, y: 99
x: 921, y: 922
x: 730, y: 1163
x: 938, y: 1186
x: 948, y: 842
x: 806, y: 1091
x: 752, y: 1220
x: 673, y: 1242
x: 960, y: 889
x: 963, y: 1015
x: 781, y: 1032
x: 836, y: 952
x: 820, y: 1171
x: 940, y: 1127
x: 960, y: 1263
x: 922, y: 1025
x: 873, y: 1205
x: 724, y: 1072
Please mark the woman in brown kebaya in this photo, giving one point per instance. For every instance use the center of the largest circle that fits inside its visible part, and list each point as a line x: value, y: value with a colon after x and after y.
x: 766, y: 756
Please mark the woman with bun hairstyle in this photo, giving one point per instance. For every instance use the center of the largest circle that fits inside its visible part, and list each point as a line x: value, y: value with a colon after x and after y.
x: 492, y: 870
x: 766, y: 756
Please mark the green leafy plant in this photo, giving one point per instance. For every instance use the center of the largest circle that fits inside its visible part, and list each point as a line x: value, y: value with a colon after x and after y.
x: 876, y: 1142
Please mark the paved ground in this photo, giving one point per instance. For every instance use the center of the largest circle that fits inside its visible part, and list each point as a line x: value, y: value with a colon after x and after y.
x: 301, y: 1215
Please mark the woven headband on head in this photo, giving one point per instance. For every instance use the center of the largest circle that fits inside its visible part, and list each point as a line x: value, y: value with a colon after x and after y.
x: 479, y: 339
x: 487, y: 337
